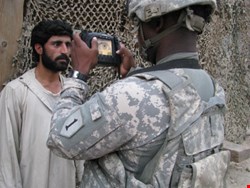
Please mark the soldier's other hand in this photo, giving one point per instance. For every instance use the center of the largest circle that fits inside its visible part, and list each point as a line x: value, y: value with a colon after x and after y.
x: 83, y: 57
x: 127, y: 60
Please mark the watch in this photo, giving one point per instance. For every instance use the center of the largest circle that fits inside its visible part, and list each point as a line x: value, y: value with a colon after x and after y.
x: 78, y: 75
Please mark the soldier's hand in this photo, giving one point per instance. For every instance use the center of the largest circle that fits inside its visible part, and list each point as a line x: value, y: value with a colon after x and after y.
x: 83, y: 57
x: 127, y: 60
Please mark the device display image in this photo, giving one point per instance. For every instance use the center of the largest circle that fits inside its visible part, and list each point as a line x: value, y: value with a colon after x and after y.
x: 104, y: 47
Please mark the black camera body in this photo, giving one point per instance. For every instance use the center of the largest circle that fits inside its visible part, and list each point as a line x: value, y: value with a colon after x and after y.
x: 107, y: 47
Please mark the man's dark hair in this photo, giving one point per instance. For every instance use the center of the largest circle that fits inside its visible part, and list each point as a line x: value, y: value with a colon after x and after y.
x: 46, y: 29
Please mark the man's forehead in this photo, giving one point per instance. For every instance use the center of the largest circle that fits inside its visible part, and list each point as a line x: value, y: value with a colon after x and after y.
x: 63, y: 38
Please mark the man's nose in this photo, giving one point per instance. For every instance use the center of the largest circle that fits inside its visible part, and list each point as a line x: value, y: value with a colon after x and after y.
x: 65, y: 49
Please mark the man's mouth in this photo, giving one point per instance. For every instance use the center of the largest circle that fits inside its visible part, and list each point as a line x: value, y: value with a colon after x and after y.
x: 62, y: 58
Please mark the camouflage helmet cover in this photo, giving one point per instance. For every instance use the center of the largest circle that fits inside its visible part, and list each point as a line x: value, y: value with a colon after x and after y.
x: 147, y: 9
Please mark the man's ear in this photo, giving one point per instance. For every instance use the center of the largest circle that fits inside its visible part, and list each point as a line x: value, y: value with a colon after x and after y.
x: 158, y: 24
x: 39, y: 49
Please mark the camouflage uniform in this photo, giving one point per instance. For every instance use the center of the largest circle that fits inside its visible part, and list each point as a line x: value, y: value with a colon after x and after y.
x: 118, y: 131
x: 146, y: 9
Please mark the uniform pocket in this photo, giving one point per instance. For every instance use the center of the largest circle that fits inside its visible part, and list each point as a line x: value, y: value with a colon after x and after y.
x: 208, y: 173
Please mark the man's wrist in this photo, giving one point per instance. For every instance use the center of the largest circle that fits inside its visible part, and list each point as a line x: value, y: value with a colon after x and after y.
x: 76, y: 74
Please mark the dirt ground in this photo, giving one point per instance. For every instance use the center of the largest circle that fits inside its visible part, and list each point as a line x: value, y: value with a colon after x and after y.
x: 239, y: 173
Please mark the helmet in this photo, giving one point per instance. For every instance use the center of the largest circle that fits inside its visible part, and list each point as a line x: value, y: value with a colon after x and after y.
x: 145, y: 10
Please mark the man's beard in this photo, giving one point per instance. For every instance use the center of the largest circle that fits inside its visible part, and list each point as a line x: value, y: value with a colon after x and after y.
x: 55, y: 65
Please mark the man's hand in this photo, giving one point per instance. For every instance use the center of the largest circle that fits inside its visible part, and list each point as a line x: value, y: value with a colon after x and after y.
x: 127, y: 60
x: 83, y: 57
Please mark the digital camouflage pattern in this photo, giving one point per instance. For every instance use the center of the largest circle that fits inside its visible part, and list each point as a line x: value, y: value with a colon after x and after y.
x: 147, y: 9
x: 203, y: 172
x: 119, y: 130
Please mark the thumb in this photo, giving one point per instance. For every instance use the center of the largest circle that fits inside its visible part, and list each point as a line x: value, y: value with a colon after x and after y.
x: 94, y: 43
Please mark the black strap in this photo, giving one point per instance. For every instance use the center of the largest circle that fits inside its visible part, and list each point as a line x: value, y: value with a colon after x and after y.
x: 178, y: 63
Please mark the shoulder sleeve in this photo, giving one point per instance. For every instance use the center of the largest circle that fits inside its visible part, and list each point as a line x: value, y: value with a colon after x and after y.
x: 89, y: 129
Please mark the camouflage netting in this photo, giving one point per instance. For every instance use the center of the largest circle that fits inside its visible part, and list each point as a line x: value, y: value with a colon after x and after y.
x: 106, y: 16
x: 224, y: 50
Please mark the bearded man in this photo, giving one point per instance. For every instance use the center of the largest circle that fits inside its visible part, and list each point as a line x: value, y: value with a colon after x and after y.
x: 26, y: 105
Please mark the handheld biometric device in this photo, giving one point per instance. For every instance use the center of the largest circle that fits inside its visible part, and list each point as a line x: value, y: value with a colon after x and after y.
x: 107, y: 47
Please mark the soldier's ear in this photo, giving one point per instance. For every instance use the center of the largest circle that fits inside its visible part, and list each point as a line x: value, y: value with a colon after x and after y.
x: 157, y: 24
x: 39, y: 49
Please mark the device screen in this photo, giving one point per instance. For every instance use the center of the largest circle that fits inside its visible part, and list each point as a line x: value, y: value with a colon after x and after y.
x: 104, y: 47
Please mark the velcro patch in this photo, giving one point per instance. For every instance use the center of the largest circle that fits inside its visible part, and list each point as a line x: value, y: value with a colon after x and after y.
x: 152, y: 10
x: 72, y: 124
x: 95, y: 111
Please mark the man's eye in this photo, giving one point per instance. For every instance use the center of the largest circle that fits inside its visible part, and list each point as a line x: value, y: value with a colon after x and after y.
x: 68, y: 44
x: 56, y: 44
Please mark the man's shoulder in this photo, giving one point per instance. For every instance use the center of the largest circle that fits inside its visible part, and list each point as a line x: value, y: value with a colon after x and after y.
x: 18, y: 82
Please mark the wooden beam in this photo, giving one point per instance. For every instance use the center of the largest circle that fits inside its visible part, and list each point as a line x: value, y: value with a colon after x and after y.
x: 11, y: 20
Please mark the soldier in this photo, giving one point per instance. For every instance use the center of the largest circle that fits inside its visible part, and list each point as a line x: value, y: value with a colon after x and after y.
x: 161, y: 126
